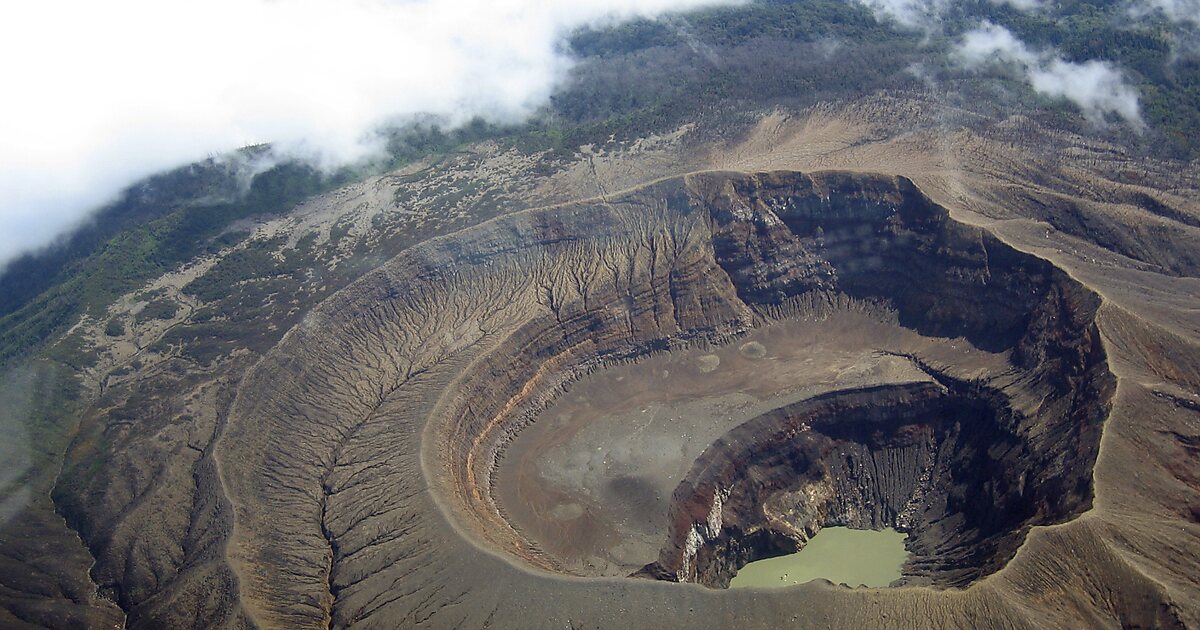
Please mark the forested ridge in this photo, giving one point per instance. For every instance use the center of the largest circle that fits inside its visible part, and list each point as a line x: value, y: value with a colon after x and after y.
x: 639, y: 77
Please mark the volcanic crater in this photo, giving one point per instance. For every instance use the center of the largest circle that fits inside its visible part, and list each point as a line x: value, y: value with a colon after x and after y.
x: 667, y: 383
x: 729, y: 363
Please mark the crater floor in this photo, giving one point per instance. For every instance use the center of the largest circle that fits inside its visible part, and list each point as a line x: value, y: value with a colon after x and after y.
x: 590, y: 481
x: 862, y: 360
x: 594, y: 413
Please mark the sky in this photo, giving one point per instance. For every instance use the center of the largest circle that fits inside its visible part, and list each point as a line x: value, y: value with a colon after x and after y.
x: 100, y: 93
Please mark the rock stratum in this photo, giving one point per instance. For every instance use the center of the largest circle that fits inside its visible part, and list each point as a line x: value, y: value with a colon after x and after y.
x: 360, y: 450
x: 1026, y: 419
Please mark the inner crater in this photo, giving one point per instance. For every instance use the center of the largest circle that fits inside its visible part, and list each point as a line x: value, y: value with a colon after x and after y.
x: 726, y: 364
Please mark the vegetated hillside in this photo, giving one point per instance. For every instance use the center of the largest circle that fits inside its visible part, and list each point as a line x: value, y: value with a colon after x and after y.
x: 804, y: 52
x: 342, y: 448
x: 165, y: 221
x: 633, y: 79
x: 193, y: 283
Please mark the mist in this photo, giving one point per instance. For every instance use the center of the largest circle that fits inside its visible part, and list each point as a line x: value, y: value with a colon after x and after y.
x: 1177, y: 10
x: 1098, y: 88
x: 101, y: 94
x: 920, y: 14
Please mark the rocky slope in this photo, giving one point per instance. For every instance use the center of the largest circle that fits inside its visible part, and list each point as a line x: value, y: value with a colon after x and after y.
x: 331, y: 465
x: 958, y: 466
x: 432, y: 362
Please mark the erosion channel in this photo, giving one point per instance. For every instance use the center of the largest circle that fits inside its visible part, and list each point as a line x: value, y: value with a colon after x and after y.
x: 665, y: 385
x: 897, y: 370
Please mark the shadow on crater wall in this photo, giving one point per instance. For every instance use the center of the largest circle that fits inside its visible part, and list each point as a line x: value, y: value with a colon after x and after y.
x: 965, y: 464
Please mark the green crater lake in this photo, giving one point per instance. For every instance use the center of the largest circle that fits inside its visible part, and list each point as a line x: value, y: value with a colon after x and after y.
x: 838, y: 554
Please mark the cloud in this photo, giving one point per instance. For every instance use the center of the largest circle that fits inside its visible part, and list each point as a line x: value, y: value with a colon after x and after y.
x: 910, y: 13
x: 926, y: 15
x: 1176, y: 10
x: 1097, y: 87
x: 100, y: 94
x: 1021, y: 5
x: 990, y: 42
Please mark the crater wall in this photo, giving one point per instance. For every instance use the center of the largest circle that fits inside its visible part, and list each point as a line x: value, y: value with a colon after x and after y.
x: 359, y: 455
x: 994, y: 454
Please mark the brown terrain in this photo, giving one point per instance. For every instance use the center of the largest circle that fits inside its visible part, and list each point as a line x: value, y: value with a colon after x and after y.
x: 508, y: 392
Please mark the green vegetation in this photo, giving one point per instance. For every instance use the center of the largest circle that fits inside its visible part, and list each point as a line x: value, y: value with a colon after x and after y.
x: 139, y: 252
x: 114, y: 328
x: 254, y: 261
x: 161, y: 308
x: 718, y: 66
x: 420, y: 140
x: 1169, y: 84
x: 44, y: 398
x: 642, y: 76
x: 170, y: 219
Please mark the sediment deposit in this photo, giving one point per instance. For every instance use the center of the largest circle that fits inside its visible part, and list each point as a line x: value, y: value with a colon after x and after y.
x: 406, y: 386
x: 918, y: 338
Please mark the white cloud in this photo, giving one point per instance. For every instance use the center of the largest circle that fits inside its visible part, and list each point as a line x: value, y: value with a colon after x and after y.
x: 1021, y: 5
x: 990, y: 43
x: 910, y: 13
x: 101, y: 93
x: 926, y: 15
x: 1178, y: 10
x: 1097, y: 87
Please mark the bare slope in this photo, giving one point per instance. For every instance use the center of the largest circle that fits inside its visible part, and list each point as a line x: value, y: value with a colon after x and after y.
x: 359, y: 453
x: 343, y: 449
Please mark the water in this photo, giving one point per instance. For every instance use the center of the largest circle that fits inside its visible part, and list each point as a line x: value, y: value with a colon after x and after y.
x: 590, y: 482
x: 838, y: 554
